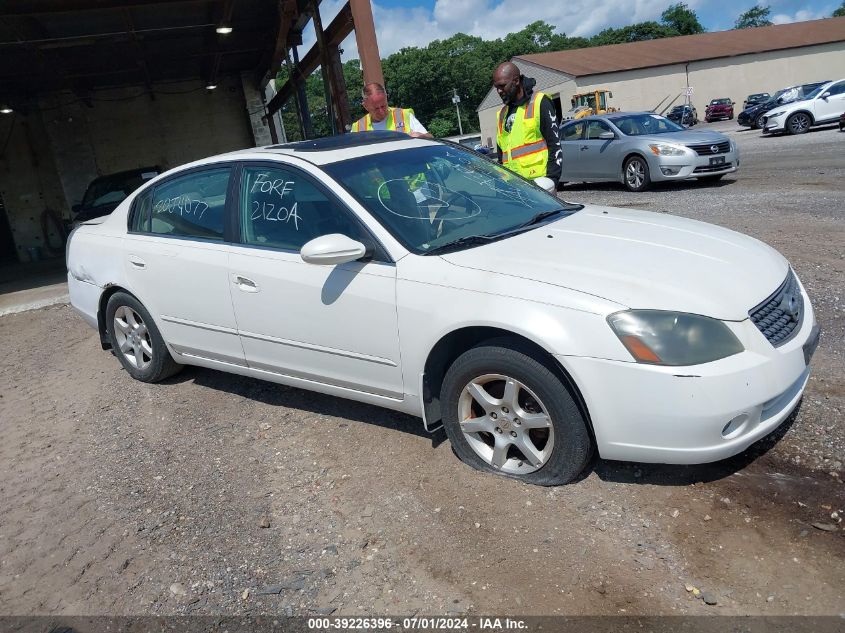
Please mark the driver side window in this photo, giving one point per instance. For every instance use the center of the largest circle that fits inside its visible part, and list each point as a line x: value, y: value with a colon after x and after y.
x: 282, y: 208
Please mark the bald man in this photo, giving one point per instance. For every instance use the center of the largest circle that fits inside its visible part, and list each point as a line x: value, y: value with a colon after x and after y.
x: 381, y: 117
x: 527, y: 134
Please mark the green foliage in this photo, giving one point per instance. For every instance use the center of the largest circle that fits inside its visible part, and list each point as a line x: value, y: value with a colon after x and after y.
x: 840, y: 12
x: 422, y: 78
x: 758, y: 15
x: 681, y: 18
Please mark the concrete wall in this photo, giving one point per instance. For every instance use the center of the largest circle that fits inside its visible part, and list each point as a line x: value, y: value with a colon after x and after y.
x: 29, y: 183
x: 734, y: 77
x: 58, y: 148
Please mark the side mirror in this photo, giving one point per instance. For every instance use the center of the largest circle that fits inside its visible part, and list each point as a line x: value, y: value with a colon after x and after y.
x: 332, y: 249
x: 825, y: 95
x: 607, y: 136
x: 547, y: 184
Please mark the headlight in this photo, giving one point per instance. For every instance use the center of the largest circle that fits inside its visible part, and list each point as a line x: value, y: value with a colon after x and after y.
x: 658, y: 337
x: 662, y: 149
x: 775, y: 114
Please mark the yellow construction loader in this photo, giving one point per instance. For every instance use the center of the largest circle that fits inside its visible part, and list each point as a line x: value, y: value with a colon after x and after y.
x: 587, y: 103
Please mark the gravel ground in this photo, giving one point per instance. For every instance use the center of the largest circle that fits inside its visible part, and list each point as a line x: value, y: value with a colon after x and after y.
x: 216, y: 494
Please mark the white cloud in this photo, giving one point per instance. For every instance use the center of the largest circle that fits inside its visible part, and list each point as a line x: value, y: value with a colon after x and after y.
x: 799, y: 16
x: 399, y: 27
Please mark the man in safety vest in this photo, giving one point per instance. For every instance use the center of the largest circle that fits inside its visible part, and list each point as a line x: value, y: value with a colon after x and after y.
x: 526, y: 127
x: 381, y: 117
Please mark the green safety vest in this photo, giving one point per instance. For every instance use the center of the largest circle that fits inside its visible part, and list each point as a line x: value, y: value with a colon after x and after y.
x: 398, y: 120
x: 524, y: 149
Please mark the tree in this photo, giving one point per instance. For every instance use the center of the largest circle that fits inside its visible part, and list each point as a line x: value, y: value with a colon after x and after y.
x: 840, y: 12
x: 757, y: 15
x: 681, y: 18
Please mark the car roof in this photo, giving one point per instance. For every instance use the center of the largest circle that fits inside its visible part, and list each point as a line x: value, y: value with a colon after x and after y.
x: 330, y: 149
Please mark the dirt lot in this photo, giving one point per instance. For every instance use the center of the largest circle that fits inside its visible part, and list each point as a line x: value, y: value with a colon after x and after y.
x: 212, y: 493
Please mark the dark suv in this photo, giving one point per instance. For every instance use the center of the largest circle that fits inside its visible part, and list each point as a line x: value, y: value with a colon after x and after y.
x: 753, y: 116
x: 751, y: 100
x: 106, y: 192
x: 683, y: 115
x: 719, y: 109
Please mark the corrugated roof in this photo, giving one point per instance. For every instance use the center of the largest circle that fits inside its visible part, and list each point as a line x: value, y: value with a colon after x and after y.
x: 688, y: 48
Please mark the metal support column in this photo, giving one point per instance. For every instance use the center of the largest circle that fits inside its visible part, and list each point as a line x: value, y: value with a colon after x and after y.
x: 365, y: 35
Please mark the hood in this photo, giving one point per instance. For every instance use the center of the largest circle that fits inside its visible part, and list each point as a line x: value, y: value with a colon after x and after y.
x: 685, y: 137
x: 640, y: 260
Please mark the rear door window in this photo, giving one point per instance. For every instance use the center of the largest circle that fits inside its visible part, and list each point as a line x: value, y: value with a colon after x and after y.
x: 193, y: 205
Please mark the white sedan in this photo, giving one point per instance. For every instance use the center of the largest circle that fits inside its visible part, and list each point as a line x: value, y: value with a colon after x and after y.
x: 421, y: 277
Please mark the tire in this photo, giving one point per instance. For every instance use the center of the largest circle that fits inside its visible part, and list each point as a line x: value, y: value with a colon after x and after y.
x: 798, y: 123
x: 136, y: 341
x: 488, y: 423
x: 635, y: 174
x: 758, y: 122
x: 730, y: 118
x: 715, y: 178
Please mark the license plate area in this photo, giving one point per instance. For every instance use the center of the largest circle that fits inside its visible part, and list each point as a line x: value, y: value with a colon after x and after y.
x: 717, y: 160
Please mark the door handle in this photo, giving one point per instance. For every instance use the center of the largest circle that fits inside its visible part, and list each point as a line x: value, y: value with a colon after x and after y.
x: 247, y: 285
x: 583, y: 147
x: 137, y: 262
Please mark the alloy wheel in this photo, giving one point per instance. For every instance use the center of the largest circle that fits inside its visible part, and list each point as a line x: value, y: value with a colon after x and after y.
x: 635, y: 173
x: 799, y: 123
x: 506, y: 424
x: 133, y: 337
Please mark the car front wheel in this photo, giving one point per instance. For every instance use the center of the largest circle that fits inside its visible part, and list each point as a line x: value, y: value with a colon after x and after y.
x: 136, y: 341
x: 759, y: 122
x: 798, y: 123
x: 635, y: 173
x: 508, y: 413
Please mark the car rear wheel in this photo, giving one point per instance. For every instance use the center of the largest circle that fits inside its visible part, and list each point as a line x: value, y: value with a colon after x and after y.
x: 136, y: 341
x: 635, y: 173
x: 798, y: 123
x: 505, y: 412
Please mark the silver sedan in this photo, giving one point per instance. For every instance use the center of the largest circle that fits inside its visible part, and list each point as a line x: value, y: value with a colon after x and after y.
x: 638, y: 148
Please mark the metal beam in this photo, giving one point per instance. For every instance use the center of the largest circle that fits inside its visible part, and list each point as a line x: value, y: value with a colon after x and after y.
x: 365, y: 35
x: 337, y: 31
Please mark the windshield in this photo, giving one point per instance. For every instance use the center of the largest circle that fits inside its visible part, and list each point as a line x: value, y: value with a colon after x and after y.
x: 720, y: 102
x: 645, y: 124
x: 815, y: 93
x: 429, y: 197
x: 113, y: 189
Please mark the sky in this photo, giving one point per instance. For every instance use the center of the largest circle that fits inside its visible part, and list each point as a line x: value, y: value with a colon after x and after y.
x: 401, y: 23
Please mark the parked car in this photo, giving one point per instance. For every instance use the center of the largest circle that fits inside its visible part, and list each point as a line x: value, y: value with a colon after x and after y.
x: 753, y: 117
x: 638, y: 148
x: 685, y: 115
x: 417, y: 276
x: 824, y: 105
x: 719, y: 109
x: 758, y: 97
x: 104, y: 193
x: 842, y: 122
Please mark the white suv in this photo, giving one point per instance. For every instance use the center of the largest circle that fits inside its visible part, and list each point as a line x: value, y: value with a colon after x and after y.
x: 824, y: 105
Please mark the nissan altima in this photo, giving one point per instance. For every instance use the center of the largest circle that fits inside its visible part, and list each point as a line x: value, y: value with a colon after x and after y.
x: 638, y: 148
x: 418, y: 276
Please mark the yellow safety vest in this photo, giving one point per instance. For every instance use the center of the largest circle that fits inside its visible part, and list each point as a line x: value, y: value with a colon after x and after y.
x: 398, y: 120
x: 524, y: 149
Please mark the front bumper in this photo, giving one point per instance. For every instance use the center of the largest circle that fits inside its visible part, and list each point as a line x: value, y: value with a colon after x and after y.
x: 774, y: 125
x: 691, y: 165
x: 699, y: 414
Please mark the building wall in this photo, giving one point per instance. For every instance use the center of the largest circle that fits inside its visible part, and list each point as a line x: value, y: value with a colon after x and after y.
x: 735, y: 77
x: 58, y: 148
